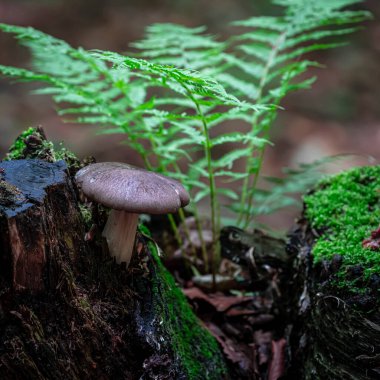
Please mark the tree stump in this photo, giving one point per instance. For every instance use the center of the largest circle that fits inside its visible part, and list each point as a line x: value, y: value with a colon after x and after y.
x: 67, y: 310
x: 335, y: 302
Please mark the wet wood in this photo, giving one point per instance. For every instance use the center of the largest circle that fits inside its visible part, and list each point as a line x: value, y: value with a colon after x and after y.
x: 39, y: 223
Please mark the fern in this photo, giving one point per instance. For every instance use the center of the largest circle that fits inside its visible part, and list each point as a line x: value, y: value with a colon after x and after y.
x: 260, y: 66
x: 183, y: 85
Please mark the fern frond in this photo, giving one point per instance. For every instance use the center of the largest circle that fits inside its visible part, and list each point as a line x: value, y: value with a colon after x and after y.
x: 111, y: 89
x: 285, y: 192
x: 180, y: 46
x: 277, y: 46
x: 228, y: 193
x: 260, y: 66
x: 229, y: 158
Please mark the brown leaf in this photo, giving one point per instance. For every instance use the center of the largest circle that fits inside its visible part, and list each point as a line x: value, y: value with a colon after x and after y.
x: 373, y: 242
x: 277, y: 364
x: 256, y: 372
x: 223, y: 303
x: 220, y: 302
x: 195, y: 293
x: 205, y: 281
x: 239, y: 312
x: 230, y: 349
x: 232, y: 331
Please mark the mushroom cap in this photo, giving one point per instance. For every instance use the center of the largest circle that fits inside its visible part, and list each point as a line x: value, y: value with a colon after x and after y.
x: 125, y: 187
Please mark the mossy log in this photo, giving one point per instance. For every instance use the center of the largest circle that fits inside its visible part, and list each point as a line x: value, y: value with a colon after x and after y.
x: 68, y: 311
x: 335, y: 293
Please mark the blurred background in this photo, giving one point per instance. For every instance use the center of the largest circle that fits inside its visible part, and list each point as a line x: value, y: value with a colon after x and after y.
x: 341, y: 114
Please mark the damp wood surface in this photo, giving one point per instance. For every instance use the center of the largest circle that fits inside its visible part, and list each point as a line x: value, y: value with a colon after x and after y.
x: 38, y: 223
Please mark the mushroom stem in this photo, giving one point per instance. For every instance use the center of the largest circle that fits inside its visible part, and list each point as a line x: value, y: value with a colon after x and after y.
x: 120, y: 233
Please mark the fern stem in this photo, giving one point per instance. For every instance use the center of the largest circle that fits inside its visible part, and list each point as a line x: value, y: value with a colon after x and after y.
x: 249, y: 217
x: 181, y: 213
x: 249, y: 182
x: 197, y: 222
x: 200, y: 234
x: 213, y: 199
x: 174, y: 227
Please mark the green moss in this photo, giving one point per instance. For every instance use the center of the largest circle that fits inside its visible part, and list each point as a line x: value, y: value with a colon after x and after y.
x: 32, y: 143
x: 347, y: 208
x: 17, y: 148
x: 86, y: 215
x: 196, y: 348
x: 61, y: 153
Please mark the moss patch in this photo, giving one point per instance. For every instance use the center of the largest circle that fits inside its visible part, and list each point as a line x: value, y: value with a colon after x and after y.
x: 32, y: 143
x: 347, y: 208
x: 195, y: 347
x: 17, y: 148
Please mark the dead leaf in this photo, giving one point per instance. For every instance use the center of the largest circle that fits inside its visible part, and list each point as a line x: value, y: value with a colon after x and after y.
x: 277, y: 364
x: 239, y: 312
x: 231, y: 349
x: 220, y: 302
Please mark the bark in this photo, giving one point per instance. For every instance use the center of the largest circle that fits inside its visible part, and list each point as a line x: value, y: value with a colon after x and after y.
x: 39, y: 224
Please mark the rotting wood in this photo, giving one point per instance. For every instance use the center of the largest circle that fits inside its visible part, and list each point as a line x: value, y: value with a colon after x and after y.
x: 39, y: 223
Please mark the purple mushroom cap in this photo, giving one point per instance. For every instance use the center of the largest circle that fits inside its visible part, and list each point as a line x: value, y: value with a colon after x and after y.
x: 125, y: 187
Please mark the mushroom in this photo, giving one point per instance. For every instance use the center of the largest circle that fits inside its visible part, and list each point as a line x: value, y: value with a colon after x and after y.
x: 128, y: 191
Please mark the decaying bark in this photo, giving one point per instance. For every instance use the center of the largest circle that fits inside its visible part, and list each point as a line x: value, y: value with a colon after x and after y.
x: 68, y: 311
x: 334, y: 335
x: 39, y: 223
